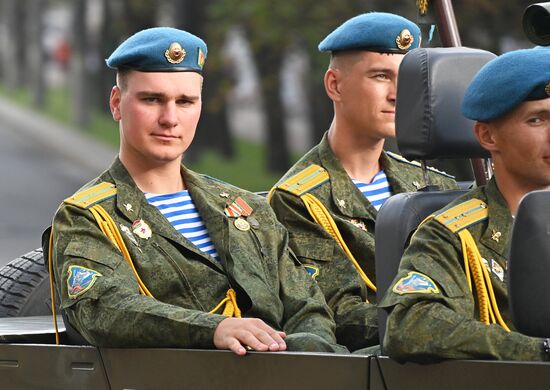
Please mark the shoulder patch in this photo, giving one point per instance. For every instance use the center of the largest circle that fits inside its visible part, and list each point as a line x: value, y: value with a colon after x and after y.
x: 80, y: 279
x: 90, y: 196
x: 463, y: 215
x: 305, y: 180
x: 415, y: 283
x: 312, y: 270
x: 402, y: 159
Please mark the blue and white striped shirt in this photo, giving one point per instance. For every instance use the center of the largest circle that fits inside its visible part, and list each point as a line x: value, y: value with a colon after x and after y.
x: 377, y: 191
x: 179, y: 209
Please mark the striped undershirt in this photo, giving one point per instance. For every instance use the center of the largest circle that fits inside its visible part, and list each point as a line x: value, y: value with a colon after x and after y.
x: 377, y: 191
x: 179, y: 209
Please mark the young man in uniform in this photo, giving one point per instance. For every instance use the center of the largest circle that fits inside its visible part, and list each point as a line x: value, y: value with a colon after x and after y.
x: 449, y: 299
x: 151, y: 254
x: 329, y: 199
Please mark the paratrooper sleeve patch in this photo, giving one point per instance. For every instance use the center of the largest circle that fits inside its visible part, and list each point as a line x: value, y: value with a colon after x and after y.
x: 415, y: 283
x: 312, y: 270
x: 80, y: 279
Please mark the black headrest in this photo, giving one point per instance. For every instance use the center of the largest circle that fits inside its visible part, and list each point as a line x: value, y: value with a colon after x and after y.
x: 429, y: 122
x: 529, y: 265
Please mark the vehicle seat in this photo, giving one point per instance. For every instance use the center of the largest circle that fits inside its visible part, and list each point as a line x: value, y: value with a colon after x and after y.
x: 529, y: 265
x: 429, y: 125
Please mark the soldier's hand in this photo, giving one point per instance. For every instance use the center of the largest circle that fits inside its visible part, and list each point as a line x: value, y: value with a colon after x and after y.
x: 236, y: 333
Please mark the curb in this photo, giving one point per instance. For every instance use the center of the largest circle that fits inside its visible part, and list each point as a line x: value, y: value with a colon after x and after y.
x: 68, y: 142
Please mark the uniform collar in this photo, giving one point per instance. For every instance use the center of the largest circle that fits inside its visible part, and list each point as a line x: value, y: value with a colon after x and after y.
x: 497, y: 234
x: 207, y: 204
x: 348, y: 199
x: 395, y: 173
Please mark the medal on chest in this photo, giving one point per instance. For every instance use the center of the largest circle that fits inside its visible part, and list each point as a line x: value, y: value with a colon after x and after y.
x: 240, y: 210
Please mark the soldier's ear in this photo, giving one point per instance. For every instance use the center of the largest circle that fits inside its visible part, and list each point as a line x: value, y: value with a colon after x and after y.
x: 332, y: 84
x: 114, y: 103
x: 485, y: 134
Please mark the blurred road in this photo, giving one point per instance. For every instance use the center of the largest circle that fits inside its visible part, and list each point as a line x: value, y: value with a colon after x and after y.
x: 41, y: 163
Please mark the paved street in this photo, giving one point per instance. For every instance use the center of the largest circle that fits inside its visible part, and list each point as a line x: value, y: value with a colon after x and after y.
x: 35, y: 176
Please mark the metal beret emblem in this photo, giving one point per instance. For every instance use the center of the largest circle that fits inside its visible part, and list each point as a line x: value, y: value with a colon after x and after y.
x: 404, y: 40
x: 547, y: 89
x: 175, y: 53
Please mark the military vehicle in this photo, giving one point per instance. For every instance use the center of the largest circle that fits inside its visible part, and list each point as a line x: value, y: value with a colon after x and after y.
x: 429, y: 125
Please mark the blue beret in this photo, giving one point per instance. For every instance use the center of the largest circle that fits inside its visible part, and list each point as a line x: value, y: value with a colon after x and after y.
x: 374, y: 31
x: 507, y: 81
x: 160, y: 49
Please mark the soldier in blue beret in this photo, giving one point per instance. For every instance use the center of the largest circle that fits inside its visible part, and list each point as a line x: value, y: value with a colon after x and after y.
x: 330, y: 198
x: 450, y: 297
x: 152, y: 254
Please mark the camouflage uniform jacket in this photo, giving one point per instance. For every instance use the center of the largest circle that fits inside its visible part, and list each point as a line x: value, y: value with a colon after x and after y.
x: 425, y: 326
x: 345, y: 291
x: 186, y: 283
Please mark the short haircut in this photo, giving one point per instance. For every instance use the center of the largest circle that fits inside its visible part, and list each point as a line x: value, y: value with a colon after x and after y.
x: 122, y: 78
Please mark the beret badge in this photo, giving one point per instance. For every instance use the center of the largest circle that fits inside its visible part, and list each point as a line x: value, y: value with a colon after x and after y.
x: 404, y: 40
x: 175, y: 53
x: 547, y: 89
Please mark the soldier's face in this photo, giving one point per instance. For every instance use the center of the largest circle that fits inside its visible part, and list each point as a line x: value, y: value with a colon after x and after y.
x: 367, y: 94
x: 520, y: 145
x: 158, y: 115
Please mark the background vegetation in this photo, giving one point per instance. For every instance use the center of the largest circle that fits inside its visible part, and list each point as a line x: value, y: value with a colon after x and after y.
x: 273, y: 32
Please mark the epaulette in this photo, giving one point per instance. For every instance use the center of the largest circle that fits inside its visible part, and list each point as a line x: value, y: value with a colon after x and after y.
x: 90, y: 196
x: 305, y: 180
x: 463, y: 215
x: 215, y: 179
x: 416, y: 164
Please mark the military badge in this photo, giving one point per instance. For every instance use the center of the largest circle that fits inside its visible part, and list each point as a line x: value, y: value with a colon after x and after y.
x: 175, y: 53
x: 128, y: 233
x: 404, y: 40
x: 80, y: 280
x: 253, y: 222
x: 495, y: 235
x: 415, y: 283
x: 141, y: 229
x: 341, y: 203
x: 358, y: 224
x: 312, y: 270
x: 497, y: 270
x: 201, y: 58
x: 242, y: 224
x: 128, y: 207
x: 486, y: 264
x: 238, y: 208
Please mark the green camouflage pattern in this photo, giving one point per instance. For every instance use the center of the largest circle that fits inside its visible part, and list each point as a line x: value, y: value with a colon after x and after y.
x: 445, y: 325
x: 186, y: 283
x: 344, y: 290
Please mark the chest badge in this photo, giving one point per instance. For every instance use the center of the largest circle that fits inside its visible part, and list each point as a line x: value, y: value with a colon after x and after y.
x: 239, y: 209
x: 242, y: 224
x: 128, y: 233
x: 141, y: 229
x: 358, y: 224
x: 497, y: 270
